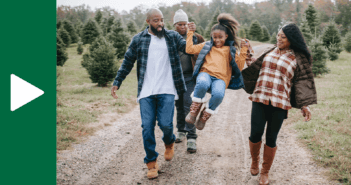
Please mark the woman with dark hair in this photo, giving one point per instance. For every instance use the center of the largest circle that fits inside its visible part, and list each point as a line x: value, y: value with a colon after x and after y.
x: 280, y: 78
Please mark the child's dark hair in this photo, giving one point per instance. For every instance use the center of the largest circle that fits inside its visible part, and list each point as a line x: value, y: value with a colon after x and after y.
x: 229, y: 25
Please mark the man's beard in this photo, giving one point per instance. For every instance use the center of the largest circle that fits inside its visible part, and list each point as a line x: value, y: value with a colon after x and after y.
x: 159, y: 34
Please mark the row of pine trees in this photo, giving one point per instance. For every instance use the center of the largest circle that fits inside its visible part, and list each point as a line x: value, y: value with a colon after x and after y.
x: 108, y: 40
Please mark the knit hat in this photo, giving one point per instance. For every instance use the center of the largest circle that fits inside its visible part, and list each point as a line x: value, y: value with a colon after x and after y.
x: 179, y: 16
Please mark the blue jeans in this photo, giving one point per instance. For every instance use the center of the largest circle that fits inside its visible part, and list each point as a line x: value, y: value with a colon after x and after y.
x: 204, y: 82
x: 161, y: 108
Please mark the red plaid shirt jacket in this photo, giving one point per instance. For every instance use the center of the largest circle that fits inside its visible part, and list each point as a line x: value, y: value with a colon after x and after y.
x: 274, y: 80
x: 284, y: 80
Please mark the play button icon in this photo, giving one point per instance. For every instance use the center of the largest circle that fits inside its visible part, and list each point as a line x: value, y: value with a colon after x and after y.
x: 22, y: 92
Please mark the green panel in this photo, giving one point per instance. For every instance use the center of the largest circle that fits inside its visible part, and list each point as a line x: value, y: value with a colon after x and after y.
x: 28, y: 134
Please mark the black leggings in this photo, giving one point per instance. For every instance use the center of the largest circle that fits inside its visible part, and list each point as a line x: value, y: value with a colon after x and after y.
x: 261, y: 114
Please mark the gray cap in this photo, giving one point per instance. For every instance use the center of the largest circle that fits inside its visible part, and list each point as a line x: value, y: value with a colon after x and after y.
x: 180, y: 16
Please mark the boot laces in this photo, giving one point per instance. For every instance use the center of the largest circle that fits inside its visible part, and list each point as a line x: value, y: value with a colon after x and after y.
x: 206, y: 116
x: 195, y: 107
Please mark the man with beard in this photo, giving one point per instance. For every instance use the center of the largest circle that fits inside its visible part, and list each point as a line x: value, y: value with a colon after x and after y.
x: 160, y: 80
x: 180, y: 21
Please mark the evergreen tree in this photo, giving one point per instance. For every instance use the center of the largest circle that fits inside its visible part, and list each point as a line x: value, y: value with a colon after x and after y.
x: 103, y: 25
x: 169, y: 26
x: 191, y: 19
x: 98, y: 17
x: 255, y: 30
x: 79, y: 29
x: 200, y: 30
x: 265, y: 34
x: 70, y: 29
x: 132, y: 27
x: 58, y: 24
x: 331, y: 36
x: 102, y: 67
x: 242, y: 33
x: 273, y: 39
x: 333, y: 51
x: 64, y: 35
x: 311, y: 17
x: 119, y: 38
x: 80, y: 47
x: 109, y: 24
x: 212, y: 22
x: 306, y: 31
x: 90, y: 31
x: 96, y: 43
x: 347, y: 45
x: 144, y: 26
x: 61, y: 54
x: 86, y: 61
x: 319, y: 55
x: 247, y: 31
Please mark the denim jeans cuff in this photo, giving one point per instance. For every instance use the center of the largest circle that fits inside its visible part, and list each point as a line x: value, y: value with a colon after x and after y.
x: 197, y: 100
x: 212, y: 112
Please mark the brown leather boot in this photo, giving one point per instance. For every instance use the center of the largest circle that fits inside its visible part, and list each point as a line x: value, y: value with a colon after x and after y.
x: 204, y: 116
x: 194, y: 111
x: 255, y: 156
x: 169, y: 152
x: 153, y: 169
x: 268, y: 157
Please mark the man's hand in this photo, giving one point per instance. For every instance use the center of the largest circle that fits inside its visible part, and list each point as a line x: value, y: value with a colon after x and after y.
x: 191, y: 26
x: 306, y: 112
x: 113, y: 91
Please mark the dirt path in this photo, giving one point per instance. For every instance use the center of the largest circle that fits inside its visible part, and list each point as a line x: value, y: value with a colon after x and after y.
x: 115, y: 154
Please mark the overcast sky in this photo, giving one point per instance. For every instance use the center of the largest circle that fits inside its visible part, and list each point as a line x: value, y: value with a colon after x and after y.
x: 127, y: 5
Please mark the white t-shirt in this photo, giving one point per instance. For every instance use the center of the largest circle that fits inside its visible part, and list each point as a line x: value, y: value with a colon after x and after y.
x: 158, y: 77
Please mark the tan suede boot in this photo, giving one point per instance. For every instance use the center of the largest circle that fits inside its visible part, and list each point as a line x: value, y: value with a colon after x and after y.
x: 195, y: 108
x: 169, y: 152
x: 153, y: 169
x: 268, y: 157
x: 204, y: 116
x: 255, y: 156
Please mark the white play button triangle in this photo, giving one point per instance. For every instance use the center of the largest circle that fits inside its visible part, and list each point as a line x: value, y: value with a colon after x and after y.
x: 22, y: 92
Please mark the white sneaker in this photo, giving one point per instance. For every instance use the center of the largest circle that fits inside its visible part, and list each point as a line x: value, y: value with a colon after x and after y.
x: 180, y: 137
x: 191, y: 145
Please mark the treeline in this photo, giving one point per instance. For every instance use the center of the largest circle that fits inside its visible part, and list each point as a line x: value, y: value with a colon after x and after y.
x: 322, y: 22
x: 270, y: 13
x: 107, y: 40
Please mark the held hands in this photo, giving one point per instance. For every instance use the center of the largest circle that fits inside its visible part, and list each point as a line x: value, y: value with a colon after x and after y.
x: 250, y: 52
x: 113, y: 92
x: 245, y: 43
x: 191, y: 26
x: 306, y: 112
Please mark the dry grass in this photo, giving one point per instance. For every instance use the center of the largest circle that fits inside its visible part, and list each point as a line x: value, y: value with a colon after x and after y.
x: 328, y: 134
x: 80, y: 103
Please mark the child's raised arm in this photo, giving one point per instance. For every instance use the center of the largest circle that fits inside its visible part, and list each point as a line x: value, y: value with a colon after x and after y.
x: 190, y: 47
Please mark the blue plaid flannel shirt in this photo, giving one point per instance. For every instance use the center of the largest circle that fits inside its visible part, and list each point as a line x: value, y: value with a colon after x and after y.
x: 138, y: 50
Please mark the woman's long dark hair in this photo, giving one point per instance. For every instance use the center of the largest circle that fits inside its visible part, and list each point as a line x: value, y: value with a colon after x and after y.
x: 229, y: 25
x: 296, y: 39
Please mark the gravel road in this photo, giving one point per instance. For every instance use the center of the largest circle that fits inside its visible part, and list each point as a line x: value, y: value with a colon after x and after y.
x: 114, y: 155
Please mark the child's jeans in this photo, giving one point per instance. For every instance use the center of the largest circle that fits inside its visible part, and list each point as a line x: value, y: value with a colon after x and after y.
x: 204, y: 82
